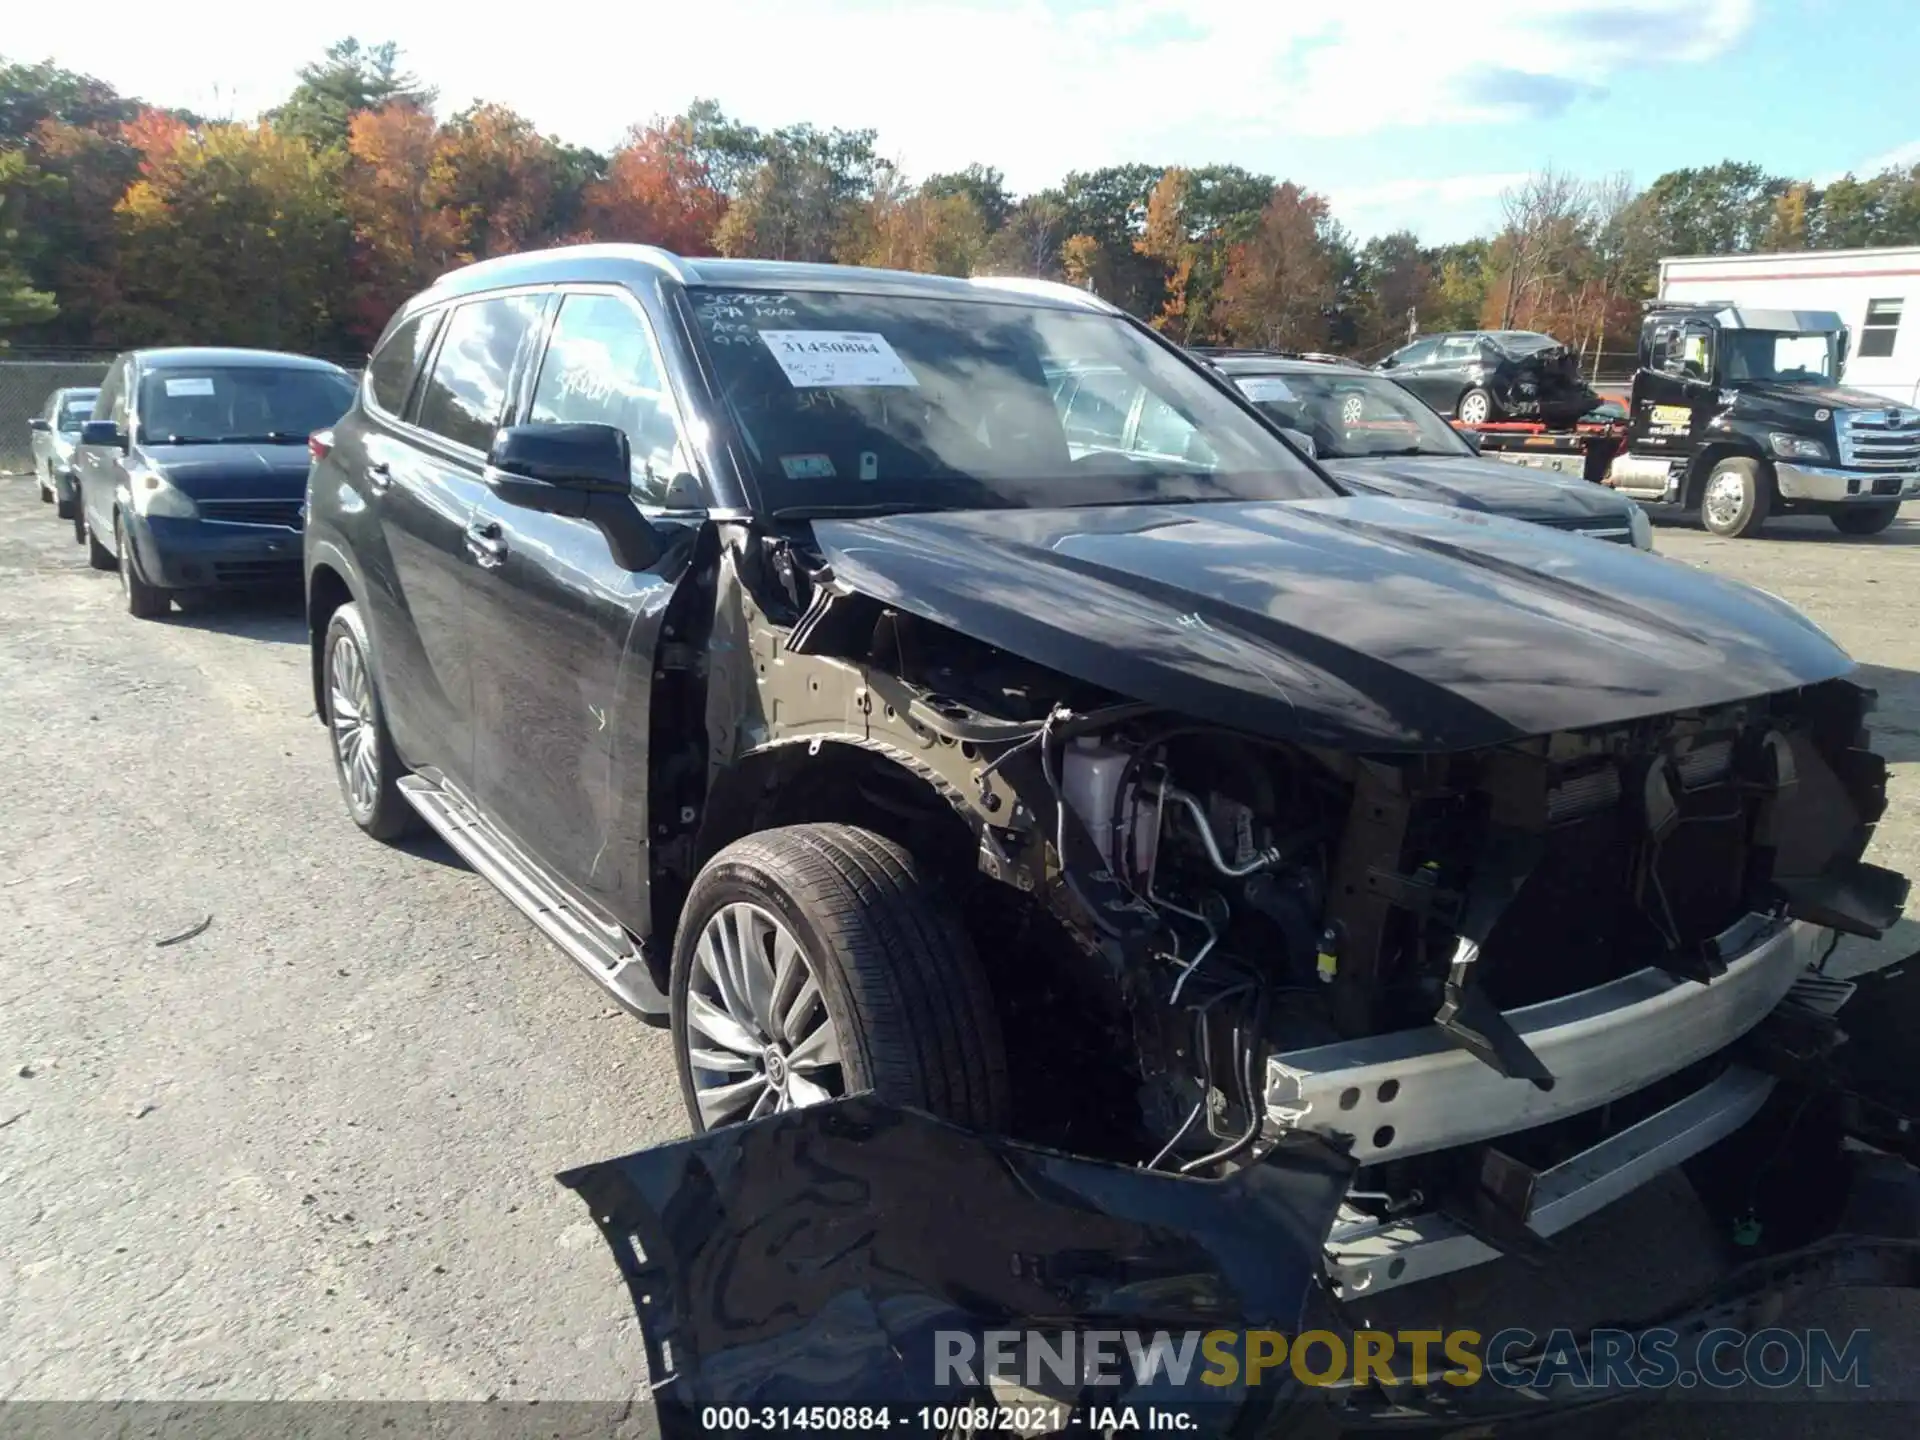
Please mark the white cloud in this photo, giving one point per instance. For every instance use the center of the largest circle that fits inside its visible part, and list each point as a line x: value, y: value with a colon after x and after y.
x: 1452, y: 207
x: 1037, y: 86
x: 1898, y: 158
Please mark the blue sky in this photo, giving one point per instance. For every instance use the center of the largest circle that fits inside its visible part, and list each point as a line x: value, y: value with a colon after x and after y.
x: 1402, y: 112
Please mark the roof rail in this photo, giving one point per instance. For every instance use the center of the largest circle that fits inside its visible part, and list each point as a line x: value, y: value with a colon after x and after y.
x: 646, y: 254
x: 1052, y: 289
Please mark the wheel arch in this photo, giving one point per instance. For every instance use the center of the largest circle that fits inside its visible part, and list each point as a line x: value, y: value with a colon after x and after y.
x: 331, y: 583
x: 1710, y: 455
x: 800, y: 780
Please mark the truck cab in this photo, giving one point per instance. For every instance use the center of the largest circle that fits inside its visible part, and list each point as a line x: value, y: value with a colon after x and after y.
x: 1739, y: 413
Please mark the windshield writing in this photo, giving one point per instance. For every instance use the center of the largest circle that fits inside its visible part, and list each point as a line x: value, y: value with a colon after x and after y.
x: 879, y: 402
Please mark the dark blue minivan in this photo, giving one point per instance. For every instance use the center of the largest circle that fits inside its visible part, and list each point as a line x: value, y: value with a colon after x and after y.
x: 193, y: 469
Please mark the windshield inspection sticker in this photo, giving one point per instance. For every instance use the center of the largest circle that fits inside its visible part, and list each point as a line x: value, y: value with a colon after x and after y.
x: 190, y: 385
x: 807, y: 467
x: 853, y: 358
x: 1259, y: 388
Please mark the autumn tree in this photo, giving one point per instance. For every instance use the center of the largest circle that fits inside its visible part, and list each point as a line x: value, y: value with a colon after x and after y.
x: 234, y: 235
x: 1028, y: 243
x: 1165, y: 237
x: 496, y: 178
x: 1397, y: 291
x: 914, y: 228
x: 805, y: 200
x: 402, y: 237
x: 1109, y: 208
x: 658, y: 190
x: 1280, y: 280
x: 349, y: 79
x: 982, y: 184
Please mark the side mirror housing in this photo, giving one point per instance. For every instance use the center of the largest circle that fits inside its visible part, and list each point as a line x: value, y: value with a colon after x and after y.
x: 103, y: 432
x: 38, y: 424
x: 581, y: 459
x: 583, y: 472
x: 1472, y: 437
x: 1302, y: 442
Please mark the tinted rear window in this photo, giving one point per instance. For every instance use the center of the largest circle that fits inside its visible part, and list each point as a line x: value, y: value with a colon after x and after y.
x: 390, y: 373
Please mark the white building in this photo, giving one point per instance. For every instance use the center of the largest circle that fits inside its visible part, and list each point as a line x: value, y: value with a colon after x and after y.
x: 1875, y: 292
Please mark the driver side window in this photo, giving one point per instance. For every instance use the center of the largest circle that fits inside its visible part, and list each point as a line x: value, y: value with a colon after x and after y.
x: 601, y: 368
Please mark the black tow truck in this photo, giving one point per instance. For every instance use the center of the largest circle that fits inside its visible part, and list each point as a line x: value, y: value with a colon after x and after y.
x: 1738, y: 413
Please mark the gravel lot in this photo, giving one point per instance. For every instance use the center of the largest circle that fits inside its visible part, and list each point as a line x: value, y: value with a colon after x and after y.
x: 308, y: 1152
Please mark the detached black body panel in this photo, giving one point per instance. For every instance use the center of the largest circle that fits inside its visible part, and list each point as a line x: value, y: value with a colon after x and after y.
x: 813, y: 1256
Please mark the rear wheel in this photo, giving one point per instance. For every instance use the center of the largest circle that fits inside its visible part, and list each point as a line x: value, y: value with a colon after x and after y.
x: 79, y: 519
x: 66, y: 502
x: 1475, y: 407
x: 815, y: 961
x: 1737, y: 498
x: 364, y: 759
x: 1864, y: 519
x: 144, y: 601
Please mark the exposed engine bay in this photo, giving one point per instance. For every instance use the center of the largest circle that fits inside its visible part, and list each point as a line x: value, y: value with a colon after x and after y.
x: 1366, y: 948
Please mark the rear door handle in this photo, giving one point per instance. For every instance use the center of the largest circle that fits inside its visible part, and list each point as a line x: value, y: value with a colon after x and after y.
x: 485, y: 544
x: 379, y: 476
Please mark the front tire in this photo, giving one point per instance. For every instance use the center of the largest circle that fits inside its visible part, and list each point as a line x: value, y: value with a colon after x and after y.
x: 815, y: 961
x: 67, y: 503
x: 1737, y: 497
x: 364, y: 760
x: 1476, y: 406
x: 1864, y: 519
x: 144, y: 601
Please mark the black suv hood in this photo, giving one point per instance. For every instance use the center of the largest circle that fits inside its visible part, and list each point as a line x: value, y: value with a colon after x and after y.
x: 1362, y: 623
x: 247, y: 471
x: 1486, y: 485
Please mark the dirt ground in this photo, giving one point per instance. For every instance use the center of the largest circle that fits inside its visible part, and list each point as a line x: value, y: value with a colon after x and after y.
x: 308, y: 1152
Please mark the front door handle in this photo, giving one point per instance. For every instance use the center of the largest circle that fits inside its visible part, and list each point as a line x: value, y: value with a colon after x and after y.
x: 379, y: 476
x: 485, y: 544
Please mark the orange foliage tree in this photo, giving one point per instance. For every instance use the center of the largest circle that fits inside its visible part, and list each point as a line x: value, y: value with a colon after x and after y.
x: 657, y: 191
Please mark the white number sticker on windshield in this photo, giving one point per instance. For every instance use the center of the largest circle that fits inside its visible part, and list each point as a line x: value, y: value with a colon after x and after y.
x: 815, y: 358
x: 1259, y: 388
x: 190, y: 385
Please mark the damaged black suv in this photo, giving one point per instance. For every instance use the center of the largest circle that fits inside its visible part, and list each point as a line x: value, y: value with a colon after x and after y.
x: 763, y: 632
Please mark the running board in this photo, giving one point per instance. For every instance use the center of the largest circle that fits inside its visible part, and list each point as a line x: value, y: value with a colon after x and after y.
x: 612, y: 961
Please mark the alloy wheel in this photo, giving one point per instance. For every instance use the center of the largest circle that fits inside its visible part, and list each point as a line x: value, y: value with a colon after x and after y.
x: 1352, y: 410
x: 1473, y: 410
x: 759, y: 1038
x: 350, y: 707
x: 1726, y: 493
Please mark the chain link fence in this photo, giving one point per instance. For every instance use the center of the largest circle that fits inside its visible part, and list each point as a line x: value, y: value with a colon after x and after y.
x: 24, y: 388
